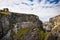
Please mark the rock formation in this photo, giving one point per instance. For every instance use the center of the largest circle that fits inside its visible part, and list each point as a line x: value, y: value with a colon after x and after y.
x: 54, y: 34
x: 18, y: 26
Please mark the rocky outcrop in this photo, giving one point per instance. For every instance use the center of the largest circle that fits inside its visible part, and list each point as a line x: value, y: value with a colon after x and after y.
x: 29, y: 22
x: 18, y: 26
x: 4, y: 25
x: 55, y: 32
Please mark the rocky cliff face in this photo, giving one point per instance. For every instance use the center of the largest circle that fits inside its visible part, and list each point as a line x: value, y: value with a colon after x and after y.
x: 17, y: 26
x: 54, y: 34
x: 25, y: 26
x: 4, y: 25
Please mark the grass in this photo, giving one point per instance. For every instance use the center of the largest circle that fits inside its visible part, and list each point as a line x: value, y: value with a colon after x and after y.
x: 41, y: 34
x: 6, y: 13
x: 23, y: 31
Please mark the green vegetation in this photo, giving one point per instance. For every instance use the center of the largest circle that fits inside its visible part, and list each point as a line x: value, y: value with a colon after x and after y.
x: 5, y: 13
x: 24, y: 31
x: 41, y: 34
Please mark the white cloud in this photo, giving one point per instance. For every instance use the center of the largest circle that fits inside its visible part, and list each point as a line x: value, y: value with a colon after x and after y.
x: 43, y: 13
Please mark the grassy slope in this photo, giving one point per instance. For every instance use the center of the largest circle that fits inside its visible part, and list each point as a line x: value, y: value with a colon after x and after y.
x: 24, y: 31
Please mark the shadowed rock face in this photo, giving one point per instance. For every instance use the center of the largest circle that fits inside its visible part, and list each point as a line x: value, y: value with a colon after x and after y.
x: 1, y: 29
x: 25, y: 19
x: 29, y: 24
x: 4, y: 25
x: 10, y: 26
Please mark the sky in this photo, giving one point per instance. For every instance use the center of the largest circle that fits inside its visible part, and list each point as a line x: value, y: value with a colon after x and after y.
x: 45, y: 9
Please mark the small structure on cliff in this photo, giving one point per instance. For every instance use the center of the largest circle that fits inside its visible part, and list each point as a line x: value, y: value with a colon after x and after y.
x: 4, y: 11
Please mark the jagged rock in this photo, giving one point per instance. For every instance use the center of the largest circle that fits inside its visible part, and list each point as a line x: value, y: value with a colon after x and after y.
x: 18, y: 26
x: 27, y: 22
x: 55, y: 32
x: 4, y: 25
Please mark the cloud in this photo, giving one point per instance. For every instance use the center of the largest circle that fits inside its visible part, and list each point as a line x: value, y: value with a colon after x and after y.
x: 44, y: 11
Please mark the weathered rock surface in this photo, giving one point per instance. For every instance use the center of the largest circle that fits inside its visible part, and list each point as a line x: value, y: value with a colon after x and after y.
x: 55, y: 32
x: 4, y: 25
x: 29, y: 22
x: 17, y: 26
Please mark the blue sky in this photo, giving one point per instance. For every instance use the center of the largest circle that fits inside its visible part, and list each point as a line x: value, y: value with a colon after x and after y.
x: 45, y: 9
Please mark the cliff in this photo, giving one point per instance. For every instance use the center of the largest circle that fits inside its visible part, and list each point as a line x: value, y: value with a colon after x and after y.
x: 18, y: 26
x: 54, y: 34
